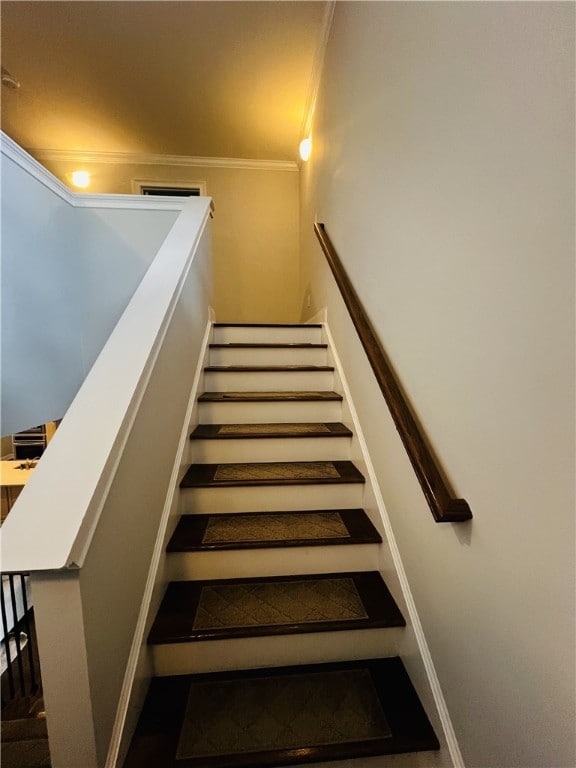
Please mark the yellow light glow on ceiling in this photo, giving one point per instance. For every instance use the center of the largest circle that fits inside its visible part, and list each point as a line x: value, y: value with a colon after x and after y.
x: 80, y: 179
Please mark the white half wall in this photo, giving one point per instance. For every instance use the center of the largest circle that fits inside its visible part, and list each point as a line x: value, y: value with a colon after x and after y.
x: 67, y: 276
x: 443, y: 169
x: 42, y: 365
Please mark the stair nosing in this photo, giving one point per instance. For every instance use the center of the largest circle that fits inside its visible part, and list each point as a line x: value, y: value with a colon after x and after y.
x: 269, y: 369
x: 267, y: 345
x: 321, y: 396
x: 267, y: 325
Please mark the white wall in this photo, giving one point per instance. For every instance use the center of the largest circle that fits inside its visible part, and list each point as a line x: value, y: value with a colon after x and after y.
x: 67, y: 275
x: 443, y: 169
x: 41, y: 361
x: 255, y: 231
x: 118, y: 246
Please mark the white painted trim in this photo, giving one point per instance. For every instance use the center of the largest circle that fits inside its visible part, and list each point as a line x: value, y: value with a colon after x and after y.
x: 172, y: 498
x: 137, y: 184
x: 25, y: 161
x: 30, y: 165
x: 62, y: 646
x: 133, y: 158
x: 317, y: 67
x: 448, y: 728
x: 129, y: 202
x: 320, y: 317
x: 115, y: 385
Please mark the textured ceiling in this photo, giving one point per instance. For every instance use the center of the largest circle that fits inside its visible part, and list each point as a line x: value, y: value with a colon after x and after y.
x: 206, y: 79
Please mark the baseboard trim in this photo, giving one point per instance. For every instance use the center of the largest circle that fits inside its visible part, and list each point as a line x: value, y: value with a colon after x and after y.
x: 438, y: 696
x: 129, y: 701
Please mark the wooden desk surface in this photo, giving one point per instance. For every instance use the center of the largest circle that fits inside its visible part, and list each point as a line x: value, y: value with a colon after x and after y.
x: 11, y: 474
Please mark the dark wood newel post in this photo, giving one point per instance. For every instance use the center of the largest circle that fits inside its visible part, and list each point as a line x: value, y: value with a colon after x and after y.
x: 444, y: 506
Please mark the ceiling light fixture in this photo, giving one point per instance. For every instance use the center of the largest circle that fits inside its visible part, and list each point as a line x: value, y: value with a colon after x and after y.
x: 80, y: 179
x: 9, y: 81
x: 306, y: 148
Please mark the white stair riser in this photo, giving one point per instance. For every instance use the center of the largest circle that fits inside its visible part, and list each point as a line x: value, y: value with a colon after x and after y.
x: 267, y: 335
x: 268, y: 381
x: 281, y: 561
x: 271, y: 412
x: 270, y: 449
x: 274, y: 650
x: 272, y: 498
x: 277, y: 356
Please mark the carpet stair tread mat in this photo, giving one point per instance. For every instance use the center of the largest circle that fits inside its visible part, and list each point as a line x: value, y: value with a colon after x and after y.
x: 286, y: 715
x: 234, y: 431
x: 270, y: 473
x: 269, y: 397
x: 227, y: 608
x: 248, y: 530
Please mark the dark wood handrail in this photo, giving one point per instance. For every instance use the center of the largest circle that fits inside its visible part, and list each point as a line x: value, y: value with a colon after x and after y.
x: 445, y: 507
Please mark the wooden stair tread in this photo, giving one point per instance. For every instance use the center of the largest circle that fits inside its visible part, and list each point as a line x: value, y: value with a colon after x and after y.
x: 264, y: 397
x: 394, y: 723
x: 267, y: 325
x: 270, y: 473
x: 268, y: 368
x: 275, y: 605
x: 268, y: 345
x: 253, y: 530
x: 268, y: 430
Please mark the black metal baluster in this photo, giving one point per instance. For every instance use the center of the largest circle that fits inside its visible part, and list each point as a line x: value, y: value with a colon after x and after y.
x: 28, y: 629
x: 17, y: 635
x: 6, y: 641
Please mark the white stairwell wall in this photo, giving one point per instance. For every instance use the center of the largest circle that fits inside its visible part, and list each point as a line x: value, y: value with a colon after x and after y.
x: 445, y: 178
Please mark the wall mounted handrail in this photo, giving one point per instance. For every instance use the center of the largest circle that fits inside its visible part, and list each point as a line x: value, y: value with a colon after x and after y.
x: 441, y: 500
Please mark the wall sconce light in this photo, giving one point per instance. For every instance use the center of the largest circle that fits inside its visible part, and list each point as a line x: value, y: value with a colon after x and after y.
x: 80, y: 179
x: 305, y: 148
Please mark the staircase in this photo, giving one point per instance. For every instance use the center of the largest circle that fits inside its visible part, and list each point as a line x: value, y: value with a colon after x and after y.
x: 276, y: 638
x: 25, y: 743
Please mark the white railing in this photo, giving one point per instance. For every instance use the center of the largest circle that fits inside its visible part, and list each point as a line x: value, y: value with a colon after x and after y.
x: 89, y: 525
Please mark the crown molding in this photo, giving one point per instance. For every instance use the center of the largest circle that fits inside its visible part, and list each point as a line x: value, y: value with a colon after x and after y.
x: 133, y: 158
x: 11, y: 150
